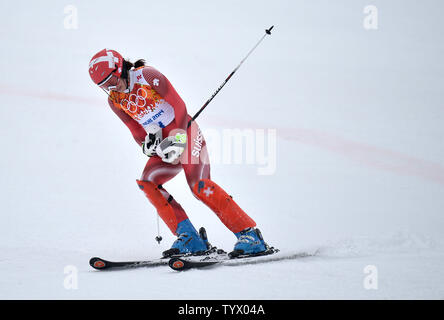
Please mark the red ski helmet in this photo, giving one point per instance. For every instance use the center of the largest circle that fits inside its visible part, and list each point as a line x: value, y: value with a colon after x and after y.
x: 105, y: 64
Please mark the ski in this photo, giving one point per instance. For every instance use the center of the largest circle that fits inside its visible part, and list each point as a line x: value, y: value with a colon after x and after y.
x: 210, y: 258
x: 102, y: 264
x: 271, y: 255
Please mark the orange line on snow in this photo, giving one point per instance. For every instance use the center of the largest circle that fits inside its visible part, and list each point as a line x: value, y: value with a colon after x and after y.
x: 47, y: 95
x: 371, y: 156
x: 368, y: 155
x: 365, y: 154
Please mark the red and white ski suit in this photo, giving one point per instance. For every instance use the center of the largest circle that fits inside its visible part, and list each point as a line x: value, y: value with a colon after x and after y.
x: 152, y: 99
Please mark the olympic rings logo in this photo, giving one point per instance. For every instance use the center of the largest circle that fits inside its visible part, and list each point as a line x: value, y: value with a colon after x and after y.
x: 135, y: 101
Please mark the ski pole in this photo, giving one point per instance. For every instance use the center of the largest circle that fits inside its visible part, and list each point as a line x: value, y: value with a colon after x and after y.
x: 267, y: 32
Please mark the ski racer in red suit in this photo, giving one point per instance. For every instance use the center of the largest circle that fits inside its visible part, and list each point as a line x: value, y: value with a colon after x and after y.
x: 144, y: 99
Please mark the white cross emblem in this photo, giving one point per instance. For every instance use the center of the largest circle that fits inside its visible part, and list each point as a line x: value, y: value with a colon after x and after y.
x: 208, y: 191
x: 108, y: 58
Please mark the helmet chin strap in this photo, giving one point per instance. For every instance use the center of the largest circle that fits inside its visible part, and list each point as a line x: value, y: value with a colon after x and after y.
x: 114, y: 87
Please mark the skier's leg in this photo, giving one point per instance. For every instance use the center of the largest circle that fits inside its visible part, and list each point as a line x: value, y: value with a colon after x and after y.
x: 250, y: 241
x: 154, y: 175
x: 197, y: 172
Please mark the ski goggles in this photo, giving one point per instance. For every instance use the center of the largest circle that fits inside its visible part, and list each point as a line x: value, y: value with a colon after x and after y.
x: 109, y: 83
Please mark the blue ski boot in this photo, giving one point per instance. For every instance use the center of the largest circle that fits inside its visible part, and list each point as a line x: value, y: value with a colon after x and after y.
x: 249, y: 243
x: 188, y: 240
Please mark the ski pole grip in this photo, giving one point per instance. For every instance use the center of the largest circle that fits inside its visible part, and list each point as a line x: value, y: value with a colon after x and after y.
x: 268, y: 31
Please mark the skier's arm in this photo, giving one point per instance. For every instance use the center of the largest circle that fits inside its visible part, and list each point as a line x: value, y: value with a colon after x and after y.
x: 162, y: 85
x: 136, y: 129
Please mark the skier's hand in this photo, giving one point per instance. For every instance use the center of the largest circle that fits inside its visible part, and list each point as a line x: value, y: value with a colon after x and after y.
x: 172, y: 147
x: 152, y: 140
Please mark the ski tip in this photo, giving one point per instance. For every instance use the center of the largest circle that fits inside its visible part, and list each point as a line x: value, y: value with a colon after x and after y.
x: 178, y: 264
x: 98, y: 263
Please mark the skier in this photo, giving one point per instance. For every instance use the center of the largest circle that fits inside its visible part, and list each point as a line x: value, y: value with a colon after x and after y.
x: 144, y: 99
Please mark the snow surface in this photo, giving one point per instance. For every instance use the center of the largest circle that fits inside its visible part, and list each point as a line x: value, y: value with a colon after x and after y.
x: 359, y: 160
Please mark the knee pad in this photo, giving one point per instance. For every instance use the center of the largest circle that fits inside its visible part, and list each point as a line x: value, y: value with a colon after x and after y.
x: 231, y: 215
